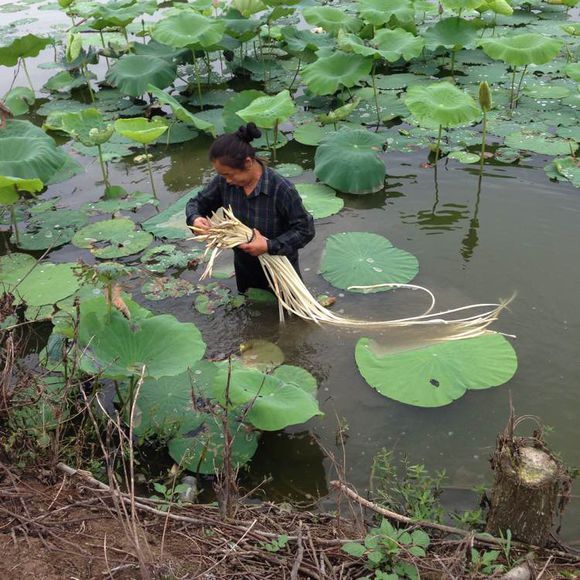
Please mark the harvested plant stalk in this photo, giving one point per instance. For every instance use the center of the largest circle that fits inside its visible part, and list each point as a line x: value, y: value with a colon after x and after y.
x: 227, y: 232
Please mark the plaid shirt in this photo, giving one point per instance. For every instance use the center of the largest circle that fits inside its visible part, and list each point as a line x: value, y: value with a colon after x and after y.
x: 274, y: 208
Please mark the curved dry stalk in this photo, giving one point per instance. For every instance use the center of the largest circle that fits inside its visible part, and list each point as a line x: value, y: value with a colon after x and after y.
x: 227, y: 232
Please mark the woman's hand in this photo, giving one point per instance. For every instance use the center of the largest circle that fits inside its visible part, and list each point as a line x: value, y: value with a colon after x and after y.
x: 201, y: 224
x: 257, y: 247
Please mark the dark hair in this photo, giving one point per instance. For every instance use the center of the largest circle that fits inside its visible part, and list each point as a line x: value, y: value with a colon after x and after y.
x: 232, y: 149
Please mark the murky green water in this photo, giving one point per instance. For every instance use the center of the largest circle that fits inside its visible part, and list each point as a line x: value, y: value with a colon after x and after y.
x: 514, y: 232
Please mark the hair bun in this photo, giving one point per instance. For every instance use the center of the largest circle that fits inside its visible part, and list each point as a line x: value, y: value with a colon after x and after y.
x: 248, y: 132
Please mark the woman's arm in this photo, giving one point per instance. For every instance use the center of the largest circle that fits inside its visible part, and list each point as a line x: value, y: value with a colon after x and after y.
x: 205, y: 202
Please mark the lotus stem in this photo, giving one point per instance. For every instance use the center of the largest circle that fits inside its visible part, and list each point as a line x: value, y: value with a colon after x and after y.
x: 377, y: 108
x: 438, y: 143
x: 453, y: 64
x: 23, y: 61
x: 88, y: 79
x: 512, y: 90
x: 197, y: 81
x: 104, y: 170
x: 483, y: 138
x: 275, y: 141
x: 226, y: 231
x: 295, y: 75
x: 14, y: 223
x: 150, y: 171
x: 517, y: 95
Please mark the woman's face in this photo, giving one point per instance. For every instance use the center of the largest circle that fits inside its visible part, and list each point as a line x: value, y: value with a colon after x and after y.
x: 235, y: 176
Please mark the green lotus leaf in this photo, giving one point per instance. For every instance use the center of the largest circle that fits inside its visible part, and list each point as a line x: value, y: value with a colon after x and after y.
x: 239, y: 27
x: 238, y: 102
x: 331, y: 19
x: 319, y: 200
x: 19, y: 100
x: 268, y: 111
x: 327, y: 74
x: 339, y: 114
x: 498, y: 6
x: 572, y: 70
x: 352, y: 43
x: 396, y: 13
x: 261, y: 354
x: 312, y: 133
x: 365, y: 259
x: 200, y: 445
x: 248, y: 7
x: 163, y: 287
x: 181, y: 112
x: 114, y: 149
x: 441, y: 104
x: 274, y: 403
x: 298, y: 376
x: 118, y: 347
x: 23, y: 47
x: 522, y: 49
x: 289, y: 169
x: 464, y: 156
x: 119, y: 234
x: 349, y: 161
x: 542, y: 143
x: 458, y: 5
x: 87, y: 126
x: 390, y: 107
x: 140, y: 129
x: 170, y: 223
x: 120, y: 13
x: 436, y: 375
x: 564, y: 169
x: 162, y: 258
x: 301, y: 42
x: 132, y: 74
x: 453, y: 33
x: 19, y: 184
x: 188, y: 29
x: 26, y: 151
x: 539, y: 91
x: 397, y: 43
x: 64, y: 82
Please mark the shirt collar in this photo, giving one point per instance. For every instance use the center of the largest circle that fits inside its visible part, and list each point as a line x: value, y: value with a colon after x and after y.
x: 263, y: 183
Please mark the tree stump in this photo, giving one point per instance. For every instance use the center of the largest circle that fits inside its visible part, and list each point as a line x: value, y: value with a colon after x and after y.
x: 530, y: 489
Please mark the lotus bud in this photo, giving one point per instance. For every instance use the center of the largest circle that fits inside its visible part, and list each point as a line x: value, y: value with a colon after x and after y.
x: 74, y: 44
x: 65, y: 3
x: 485, y: 101
x: 100, y: 136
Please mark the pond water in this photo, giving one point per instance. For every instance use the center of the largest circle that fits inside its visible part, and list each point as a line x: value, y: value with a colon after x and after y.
x: 476, y: 241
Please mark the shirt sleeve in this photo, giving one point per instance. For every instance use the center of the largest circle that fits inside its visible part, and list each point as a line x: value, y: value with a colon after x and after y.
x: 300, y: 223
x: 207, y: 201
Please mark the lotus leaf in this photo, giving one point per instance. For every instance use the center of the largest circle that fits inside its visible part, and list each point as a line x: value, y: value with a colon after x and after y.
x: 19, y: 100
x: 133, y: 73
x: 567, y: 168
x: 396, y: 13
x: 327, y: 74
x: 365, y: 259
x: 464, y: 156
x: 539, y: 91
x: 19, y: 184
x: 261, y: 354
x: 572, y: 70
x: 390, y: 107
x: 397, y: 43
x: 162, y: 258
x: 122, y: 239
x: 542, y: 143
x: 497, y: 6
x: 349, y: 161
x: 23, y: 47
x: 64, y: 82
x: 113, y: 150
x: 441, y: 104
x: 199, y: 447
x: 118, y: 347
x: 506, y: 155
x: 165, y: 287
x: 459, y: 5
x: 276, y: 400
x: 212, y: 296
x: 127, y: 201
x: 239, y: 101
x: 399, y: 81
x: 312, y: 133
x: 259, y: 296
x: 522, y: 49
x: 319, y: 200
x: 289, y: 169
x: 453, y: 33
x: 87, y: 126
x: 170, y: 223
x: 215, y: 118
x: 268, y: 111
x: 436, y: 375
x: 141, y: 130
x: 331, y: 19
x: 120, y: 13
x: 188, y: 30
x: 158, y: 50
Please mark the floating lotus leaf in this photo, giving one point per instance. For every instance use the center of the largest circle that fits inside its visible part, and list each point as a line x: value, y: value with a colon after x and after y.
x: 212, y: 296
x: 132, y: 74
x: 165, y: 287
x: 19, y: 100
x: 127, y: 201
x: 261, y: 354
x: 188, y: 29
x: 331, y: 19
x: 506, y: 155
x: 349, y: 161
x: 572, y: 70
x: 327, y: 74
x: 26, y: 151
x: 118, y: 347
x: 239, y: 101
x: 289, y: 169
x: 397, y: 43
x: 267, y: 111
x: 458, y: 5
x: 36, y: 285
x: 397, y: 13
x: 276, y: 401
x: 200, y: 445
x: 441, y: 104
x: 522, y: 49
x: 453, y: 33
x: 399, y: 81
x: 390, y: 107
x: 365, y: 259
x: 537, y: 91
x: 215, y: 118
x: 180, y: 111
x: 23, y: 47
x: 464, y: 156
x: 542, y: 143
x: 141, y: 130
x: 119, y: 234
x: 436, y: 375
x: 312, y: 133
x: 162, y: 258
x: 170, y: 223
x: 567, y: 168
x: 320, y: 200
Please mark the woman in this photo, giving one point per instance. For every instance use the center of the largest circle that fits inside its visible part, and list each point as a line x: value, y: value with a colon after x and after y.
x: 260, y: 198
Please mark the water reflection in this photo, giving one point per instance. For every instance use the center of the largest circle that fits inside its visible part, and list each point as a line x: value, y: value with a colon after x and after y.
x: 471, y: 239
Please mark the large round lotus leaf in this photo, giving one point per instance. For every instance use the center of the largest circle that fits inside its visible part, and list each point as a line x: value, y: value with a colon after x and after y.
x: 236, y: 103
x: 325, y: 75
x: 188, y: 29
x: 349, y: 162
x: 88, y: 126
x: 522, y: 49
x: 399, y: 13
x: 133, y: 73
x: 436, y: 375
x: 26, y: 151
x: 200, y: 445
x: 140, y: 129
x: 319, y: 200
x: 119, y: 234
x: 545, y: 91
x: 261, y: 354
x: 268, y: 111
x: 542, y: 143
x: 118, y: 347
x: 289, y: 169
x: 398, y: 43
x: 312, y: 133
x: 364, y: 259
x: 23, y: 47
x: 441, y: 104
x: 453, y: 33
x: 298, y: 376
x: 331, y: 19
x: 276, y: 402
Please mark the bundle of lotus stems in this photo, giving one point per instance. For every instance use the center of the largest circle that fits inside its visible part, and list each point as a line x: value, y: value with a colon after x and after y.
x: 227, y: 232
